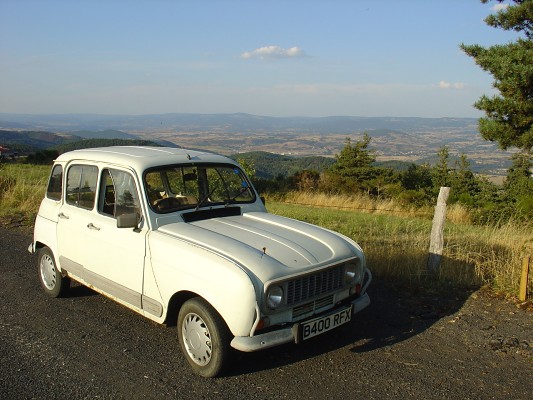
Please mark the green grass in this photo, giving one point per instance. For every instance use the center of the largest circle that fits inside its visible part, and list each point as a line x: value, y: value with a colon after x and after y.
x: 396, y: 248
x: 22, y: 188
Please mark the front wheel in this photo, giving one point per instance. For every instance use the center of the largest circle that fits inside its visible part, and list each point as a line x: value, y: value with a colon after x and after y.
x: 204, y: 338
x: 52, y: 281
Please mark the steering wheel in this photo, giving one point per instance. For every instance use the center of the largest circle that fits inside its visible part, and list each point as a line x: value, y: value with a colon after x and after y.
x: 167, y: 203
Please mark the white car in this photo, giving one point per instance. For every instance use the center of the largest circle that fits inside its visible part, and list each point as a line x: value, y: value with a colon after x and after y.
x: 179, y: 235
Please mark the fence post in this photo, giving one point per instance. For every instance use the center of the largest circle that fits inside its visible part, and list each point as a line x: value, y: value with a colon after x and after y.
x: 437, y: 231
x: 524, y: 279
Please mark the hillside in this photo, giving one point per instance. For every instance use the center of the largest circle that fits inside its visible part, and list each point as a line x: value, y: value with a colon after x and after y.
x: 33, y: 140
x: 270, y: 165
x: 107, y: 134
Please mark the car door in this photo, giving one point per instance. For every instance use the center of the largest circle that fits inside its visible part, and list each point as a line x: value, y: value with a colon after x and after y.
x: 115, y: 257
x: 75, y: 215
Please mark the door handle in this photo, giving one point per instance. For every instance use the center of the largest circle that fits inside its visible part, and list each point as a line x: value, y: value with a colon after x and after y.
x: 93, y: 226
x: 63, y: 215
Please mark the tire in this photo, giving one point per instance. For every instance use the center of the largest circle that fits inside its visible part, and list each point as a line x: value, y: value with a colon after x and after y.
x: 204, y: 338
x: 52, y: 281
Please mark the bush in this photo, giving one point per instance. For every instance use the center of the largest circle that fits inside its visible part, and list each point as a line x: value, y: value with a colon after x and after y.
x: 417, y: 198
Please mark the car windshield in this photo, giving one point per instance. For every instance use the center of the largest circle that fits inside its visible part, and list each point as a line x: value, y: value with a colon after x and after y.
x: 179, y: 187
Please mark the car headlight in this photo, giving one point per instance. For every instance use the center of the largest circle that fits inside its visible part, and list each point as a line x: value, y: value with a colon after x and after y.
x: 274, y: 296
x: 353, y: 272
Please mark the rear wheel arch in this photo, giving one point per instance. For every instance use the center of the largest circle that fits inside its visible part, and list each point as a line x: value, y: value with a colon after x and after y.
x: 51, y: 278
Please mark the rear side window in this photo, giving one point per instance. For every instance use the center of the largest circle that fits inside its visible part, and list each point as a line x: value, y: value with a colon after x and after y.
x: 55, y: 184
x: 81, y: 186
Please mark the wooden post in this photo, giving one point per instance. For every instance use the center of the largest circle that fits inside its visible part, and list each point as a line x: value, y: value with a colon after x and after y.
x: 524, y: 279
x: 437, y: 231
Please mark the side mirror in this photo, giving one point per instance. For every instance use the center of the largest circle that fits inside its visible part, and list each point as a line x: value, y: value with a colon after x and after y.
x: 263, y: 200
x: 128, y: 221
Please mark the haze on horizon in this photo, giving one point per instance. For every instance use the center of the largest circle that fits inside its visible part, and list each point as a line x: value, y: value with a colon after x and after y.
x: 278, y: 58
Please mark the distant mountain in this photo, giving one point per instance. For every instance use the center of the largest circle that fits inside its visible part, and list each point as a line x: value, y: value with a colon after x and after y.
x: 33, y: 139
x: 107, y: 134
x: 29, y: 141
x: 227, y: 123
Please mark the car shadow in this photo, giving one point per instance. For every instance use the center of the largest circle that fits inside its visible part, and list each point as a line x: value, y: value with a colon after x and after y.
x: 394, y: 315
x: 77, y: 290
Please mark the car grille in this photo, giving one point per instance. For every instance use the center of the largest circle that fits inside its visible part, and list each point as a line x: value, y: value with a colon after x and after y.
x: 314, y: 285
x: 311, y: 306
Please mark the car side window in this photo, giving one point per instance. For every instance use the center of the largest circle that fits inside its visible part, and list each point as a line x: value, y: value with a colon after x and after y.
x: 55, y: 184
x: 81, y: 186
x: 118, y: 194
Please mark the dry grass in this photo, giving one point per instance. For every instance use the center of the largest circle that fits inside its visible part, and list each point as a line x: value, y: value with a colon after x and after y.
x: 356, y: 202
x: 458, y: 214
x: 396, y: 243
x: 22, y: 188
x: 495, y: 253
x: 366, y: 204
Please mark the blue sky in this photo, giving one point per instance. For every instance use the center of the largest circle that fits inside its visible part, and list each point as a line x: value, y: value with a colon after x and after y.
x: 277, y: 58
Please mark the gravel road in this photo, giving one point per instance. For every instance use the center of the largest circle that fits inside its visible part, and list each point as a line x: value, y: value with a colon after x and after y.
x: 465, y: 345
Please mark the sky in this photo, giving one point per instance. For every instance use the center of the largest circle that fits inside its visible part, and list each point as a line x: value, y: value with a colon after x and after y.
x: 275, y: 58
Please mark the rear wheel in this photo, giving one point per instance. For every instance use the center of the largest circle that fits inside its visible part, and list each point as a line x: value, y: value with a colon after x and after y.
x: 204, y: 338
x: 52, y: 281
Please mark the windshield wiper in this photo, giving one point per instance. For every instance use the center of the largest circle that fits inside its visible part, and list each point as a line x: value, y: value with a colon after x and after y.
x: 228, y: 201
x: 201, y: 202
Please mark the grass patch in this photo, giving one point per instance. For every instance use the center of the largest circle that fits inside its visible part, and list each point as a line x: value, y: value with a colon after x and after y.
x: 22, y: 188
x: 396, y: 247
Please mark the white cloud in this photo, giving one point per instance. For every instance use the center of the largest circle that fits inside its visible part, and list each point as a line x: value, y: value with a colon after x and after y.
x: 449, y: 85
x: 273, y: 52
x: 499, y: 7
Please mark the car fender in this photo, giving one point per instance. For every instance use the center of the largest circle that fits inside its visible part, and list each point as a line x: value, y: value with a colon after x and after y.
x: 44, y: 233
x: 183, y: 266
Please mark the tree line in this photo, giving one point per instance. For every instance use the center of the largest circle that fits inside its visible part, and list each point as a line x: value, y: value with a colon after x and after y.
x: 355, y: 172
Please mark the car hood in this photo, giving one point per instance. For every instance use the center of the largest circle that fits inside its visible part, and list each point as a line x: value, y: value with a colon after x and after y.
x: 267, y: 244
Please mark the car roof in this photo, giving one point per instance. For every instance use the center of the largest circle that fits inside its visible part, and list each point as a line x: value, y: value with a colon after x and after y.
x: 142, y: 157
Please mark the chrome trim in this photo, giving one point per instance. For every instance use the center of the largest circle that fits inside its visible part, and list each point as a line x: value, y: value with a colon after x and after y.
x: 71, y: 267
x: 110, y: 288
x: 114, y: 289
x: 152, y: 306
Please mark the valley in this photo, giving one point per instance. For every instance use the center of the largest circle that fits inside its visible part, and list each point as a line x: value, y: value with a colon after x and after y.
x: 412, y: 140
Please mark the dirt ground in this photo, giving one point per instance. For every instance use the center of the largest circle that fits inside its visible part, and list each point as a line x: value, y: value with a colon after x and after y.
x: 457, y: 344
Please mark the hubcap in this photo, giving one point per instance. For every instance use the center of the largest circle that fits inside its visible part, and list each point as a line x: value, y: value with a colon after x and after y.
x: 197, y: 339
x: 48, y: 272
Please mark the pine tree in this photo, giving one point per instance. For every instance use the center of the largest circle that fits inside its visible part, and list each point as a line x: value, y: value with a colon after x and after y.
x: 441, y: 176
x: 509, y: 116
x: 353, y: 171
x: 354, y: 159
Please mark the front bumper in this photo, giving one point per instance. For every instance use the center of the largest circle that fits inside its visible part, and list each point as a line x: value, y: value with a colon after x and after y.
x: 286, y: 335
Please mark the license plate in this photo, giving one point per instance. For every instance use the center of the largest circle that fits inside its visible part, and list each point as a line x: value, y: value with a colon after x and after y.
x: 323, y: 324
